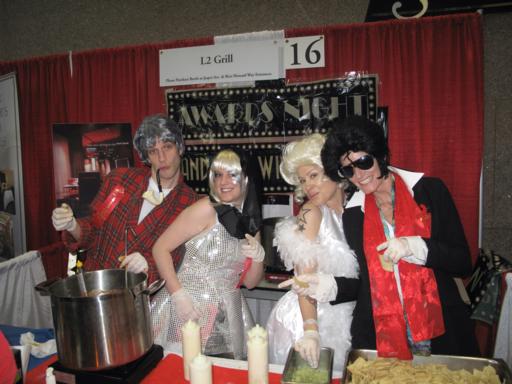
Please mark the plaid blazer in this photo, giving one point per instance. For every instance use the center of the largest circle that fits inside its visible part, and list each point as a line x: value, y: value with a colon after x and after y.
x: 106, y: 242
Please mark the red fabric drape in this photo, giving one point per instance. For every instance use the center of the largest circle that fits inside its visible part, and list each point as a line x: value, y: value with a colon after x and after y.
x: 107, y: 85
x: 55, y: 260
x: 431, y: 78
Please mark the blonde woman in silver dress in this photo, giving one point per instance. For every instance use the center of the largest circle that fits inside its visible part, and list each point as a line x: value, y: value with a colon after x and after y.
x: 220, y: 233
x: 312, y: 241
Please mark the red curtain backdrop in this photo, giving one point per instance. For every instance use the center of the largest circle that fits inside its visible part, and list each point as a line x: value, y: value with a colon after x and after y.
x: 108, y: 85
x: 430, y: 77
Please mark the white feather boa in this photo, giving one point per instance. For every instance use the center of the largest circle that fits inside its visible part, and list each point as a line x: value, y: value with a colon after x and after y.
x: 294, y: 247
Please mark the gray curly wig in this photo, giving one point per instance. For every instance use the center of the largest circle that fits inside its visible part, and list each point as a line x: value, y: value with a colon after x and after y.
x: 155, y: 127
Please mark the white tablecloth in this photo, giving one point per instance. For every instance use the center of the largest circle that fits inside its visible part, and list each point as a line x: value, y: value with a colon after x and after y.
x: 20, y: 304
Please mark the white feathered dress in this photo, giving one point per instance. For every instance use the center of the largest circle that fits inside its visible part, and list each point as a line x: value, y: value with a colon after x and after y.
x: 331, y: 253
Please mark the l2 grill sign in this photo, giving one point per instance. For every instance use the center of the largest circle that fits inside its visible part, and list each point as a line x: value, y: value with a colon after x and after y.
x: 221, y: 63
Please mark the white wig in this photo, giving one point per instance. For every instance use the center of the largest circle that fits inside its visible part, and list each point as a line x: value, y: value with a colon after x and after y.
x: 305, y: 151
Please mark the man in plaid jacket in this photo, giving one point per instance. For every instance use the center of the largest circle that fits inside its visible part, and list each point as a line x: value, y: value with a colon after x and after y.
x: 134, y: 205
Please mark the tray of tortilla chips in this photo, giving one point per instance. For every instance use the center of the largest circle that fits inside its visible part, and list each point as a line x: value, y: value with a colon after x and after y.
x: 364, y: 367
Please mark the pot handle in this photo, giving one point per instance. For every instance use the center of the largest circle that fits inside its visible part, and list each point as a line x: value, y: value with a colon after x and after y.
x: 44, y: 287
x: 154, y: 287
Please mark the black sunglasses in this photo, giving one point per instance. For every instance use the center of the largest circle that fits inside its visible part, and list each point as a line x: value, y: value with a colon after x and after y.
x: 364, y: 162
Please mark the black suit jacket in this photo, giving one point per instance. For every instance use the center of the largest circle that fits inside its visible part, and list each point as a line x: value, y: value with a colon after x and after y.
x: 448, y: 256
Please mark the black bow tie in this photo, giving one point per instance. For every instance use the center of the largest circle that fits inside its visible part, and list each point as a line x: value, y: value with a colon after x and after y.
x: 236, y: 223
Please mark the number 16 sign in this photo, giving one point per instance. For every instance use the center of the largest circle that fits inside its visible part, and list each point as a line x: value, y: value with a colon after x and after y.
x: 304, y: 52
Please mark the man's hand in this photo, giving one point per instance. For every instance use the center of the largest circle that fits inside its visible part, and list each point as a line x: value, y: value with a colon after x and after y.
x: 135, y: 263
x: 63, y: 218
x: 309, y: 347
x: 320, y: 286
x: 184, y: 305
x: 253, y: 249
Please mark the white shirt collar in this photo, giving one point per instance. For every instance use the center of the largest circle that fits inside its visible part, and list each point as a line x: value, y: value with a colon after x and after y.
x: 410, y: 179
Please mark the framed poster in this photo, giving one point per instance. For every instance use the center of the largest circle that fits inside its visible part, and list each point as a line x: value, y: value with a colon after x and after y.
x: 83, y: 154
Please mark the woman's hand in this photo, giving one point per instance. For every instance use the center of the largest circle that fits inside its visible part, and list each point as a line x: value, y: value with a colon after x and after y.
x: 399, y: 247
x: 184, y: 305
x: 309, y: 347
x: 253, y: 249
x: 320, y: 286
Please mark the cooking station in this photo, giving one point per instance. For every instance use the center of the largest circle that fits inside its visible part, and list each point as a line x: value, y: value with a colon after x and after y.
x: 102, y: 326
x: 112, y: 339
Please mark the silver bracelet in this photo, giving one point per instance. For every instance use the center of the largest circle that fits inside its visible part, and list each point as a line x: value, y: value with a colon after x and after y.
x: 310, y: 321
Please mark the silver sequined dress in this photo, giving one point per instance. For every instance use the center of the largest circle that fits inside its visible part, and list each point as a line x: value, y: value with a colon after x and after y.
x: 210, y: 272
x: 331, y: 254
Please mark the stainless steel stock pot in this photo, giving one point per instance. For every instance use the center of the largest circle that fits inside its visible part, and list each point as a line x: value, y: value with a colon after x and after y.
x: 107, y: 326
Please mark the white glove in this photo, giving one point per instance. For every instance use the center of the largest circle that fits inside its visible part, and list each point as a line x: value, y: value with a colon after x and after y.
x: 253, y: 249
x: 37, y: 349
x: 135, y: 263
x: 309, y: 347
x: 63, y: 218
x: 184, y: 305
x: 404, y: 247
x: 320, y: 286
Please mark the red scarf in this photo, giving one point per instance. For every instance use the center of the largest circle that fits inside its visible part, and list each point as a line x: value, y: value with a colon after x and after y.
x: 419, y: 288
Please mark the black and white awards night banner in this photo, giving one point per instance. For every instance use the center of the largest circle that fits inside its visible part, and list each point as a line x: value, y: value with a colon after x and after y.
x: 262, y: 119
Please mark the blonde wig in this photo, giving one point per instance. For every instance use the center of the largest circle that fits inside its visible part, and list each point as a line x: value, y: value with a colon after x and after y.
x: 305, y: 151
x: 229, y: 161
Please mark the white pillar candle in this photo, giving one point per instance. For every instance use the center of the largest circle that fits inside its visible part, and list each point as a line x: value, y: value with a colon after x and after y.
x: 257, y: 355
x: 201, y: 370
x: 191, y: 343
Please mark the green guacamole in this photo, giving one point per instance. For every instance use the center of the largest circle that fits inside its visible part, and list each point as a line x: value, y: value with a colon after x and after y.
x: 309, y: 375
